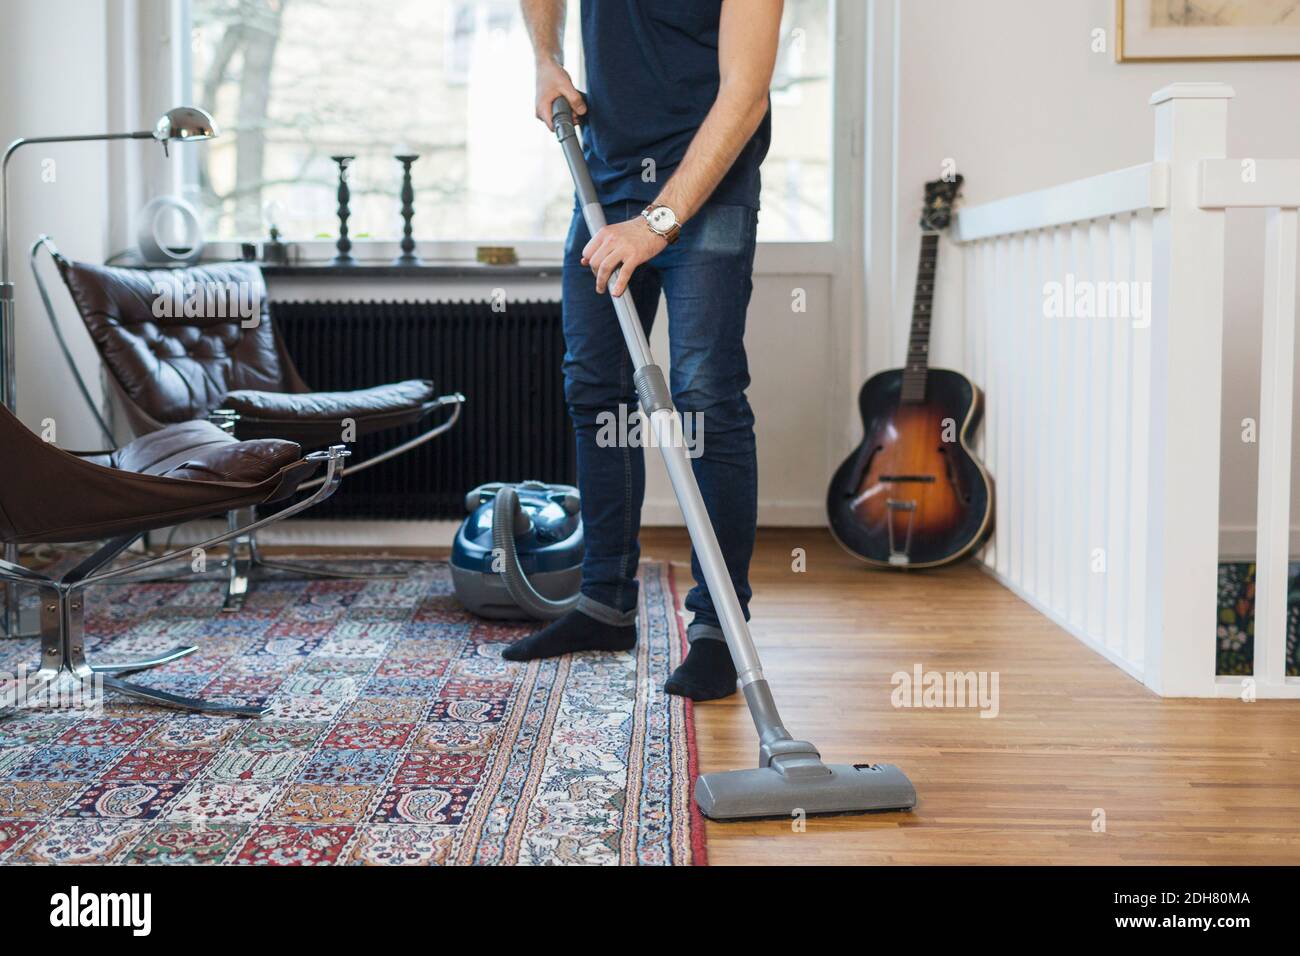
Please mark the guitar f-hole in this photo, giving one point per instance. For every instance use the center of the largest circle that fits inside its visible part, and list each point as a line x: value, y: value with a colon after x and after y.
x: 954, y: 478
x: 865, y: 459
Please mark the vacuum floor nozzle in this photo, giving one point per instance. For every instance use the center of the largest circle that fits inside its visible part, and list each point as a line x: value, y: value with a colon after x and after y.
x: 766, y: 792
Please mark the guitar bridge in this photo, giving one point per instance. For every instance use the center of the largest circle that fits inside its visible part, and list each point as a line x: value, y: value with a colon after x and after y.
x: 894, y: 505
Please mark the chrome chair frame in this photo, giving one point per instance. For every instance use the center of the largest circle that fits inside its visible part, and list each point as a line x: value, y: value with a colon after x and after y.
x: 63, y: 653
x: 246, y: 561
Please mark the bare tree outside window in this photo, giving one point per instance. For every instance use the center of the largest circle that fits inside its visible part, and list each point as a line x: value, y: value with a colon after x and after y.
x: 292, y: 82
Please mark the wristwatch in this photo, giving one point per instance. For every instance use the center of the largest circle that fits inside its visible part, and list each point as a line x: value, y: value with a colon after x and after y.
x: 662, y: 221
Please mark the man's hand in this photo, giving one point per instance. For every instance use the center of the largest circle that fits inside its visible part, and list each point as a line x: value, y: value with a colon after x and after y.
x: 553, y: 80
x: 545, y: 22
x: 622, y: 246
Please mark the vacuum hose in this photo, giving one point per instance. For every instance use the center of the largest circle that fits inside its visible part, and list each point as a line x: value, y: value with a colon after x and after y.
x: 508, y: 520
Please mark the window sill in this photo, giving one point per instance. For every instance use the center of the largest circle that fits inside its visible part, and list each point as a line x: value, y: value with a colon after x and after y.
x: 453, y: 260
x: 427, y: 270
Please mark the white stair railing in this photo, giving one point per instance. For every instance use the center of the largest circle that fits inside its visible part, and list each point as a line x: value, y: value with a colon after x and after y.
x: 1094, y: 325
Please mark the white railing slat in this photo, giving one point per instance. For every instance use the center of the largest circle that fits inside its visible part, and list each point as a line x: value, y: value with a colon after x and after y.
x: 997, y: 426
x: 1015, y: 419
x: 1273, y: 517
x: 1044, y: 477
x: 1030, y: 304
x: 1079, y: 434
x: 1139, y: 448
x: 1121, y: 423
x: 1031, y: 330
x: 1062, y: 545
x: 986, y: 364
x: 1099, y: 335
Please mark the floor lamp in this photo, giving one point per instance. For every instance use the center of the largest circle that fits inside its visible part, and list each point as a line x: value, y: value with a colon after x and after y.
x: 182, y: 124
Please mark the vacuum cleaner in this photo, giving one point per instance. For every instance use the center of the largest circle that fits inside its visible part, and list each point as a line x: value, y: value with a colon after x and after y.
x: 518, y: 555
x: 790, y: 777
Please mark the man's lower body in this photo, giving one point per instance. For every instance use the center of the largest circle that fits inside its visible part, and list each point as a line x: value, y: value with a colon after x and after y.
x: 706, y: 278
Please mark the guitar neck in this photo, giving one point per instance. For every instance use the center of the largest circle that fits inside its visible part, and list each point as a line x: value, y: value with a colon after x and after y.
x: 918, y: 341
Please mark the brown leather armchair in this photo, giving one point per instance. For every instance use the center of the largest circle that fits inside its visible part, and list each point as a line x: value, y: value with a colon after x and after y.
x: 198, y: 343
x: 178, y: 473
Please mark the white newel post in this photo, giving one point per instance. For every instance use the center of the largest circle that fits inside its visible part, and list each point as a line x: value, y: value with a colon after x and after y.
x: 1185, y: 377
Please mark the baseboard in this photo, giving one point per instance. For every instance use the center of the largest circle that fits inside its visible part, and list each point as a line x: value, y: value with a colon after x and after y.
x: 663, y: 512
x: 440, y: 534
x: 337, y: 534
x: 1236, y: 543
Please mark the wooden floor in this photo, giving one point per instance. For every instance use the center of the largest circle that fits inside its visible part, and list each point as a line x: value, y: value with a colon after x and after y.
x: 1178, y: 781
x: 1076, y: 743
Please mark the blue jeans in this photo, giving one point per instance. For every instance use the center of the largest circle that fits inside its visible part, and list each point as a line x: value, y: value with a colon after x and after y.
x: 707, y: 278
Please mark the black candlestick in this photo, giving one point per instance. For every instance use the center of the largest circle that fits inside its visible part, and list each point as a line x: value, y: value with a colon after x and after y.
x: 344, y: 245
x: 408, y: 256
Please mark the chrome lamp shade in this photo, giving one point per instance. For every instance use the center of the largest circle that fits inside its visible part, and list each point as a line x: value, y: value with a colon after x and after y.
x: 184, y: 123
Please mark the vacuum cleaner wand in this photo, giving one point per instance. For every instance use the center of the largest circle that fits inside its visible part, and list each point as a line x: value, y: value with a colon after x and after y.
x: 791, y: 777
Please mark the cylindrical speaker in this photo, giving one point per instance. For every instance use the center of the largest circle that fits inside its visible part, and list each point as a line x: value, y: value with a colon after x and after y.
x: 157, y: 245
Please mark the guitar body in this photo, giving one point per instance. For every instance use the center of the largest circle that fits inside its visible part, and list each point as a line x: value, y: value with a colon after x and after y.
x: 912, y: 495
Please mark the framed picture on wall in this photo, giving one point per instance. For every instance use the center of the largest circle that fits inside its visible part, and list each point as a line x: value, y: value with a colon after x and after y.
x: 1149, y: 30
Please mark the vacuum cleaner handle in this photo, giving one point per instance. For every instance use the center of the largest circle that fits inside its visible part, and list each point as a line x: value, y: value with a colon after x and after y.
x: 594, y: 216
x: 562, y: 123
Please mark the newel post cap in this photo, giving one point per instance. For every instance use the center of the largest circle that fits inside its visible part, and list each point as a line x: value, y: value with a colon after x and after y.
x: 1192, y: 91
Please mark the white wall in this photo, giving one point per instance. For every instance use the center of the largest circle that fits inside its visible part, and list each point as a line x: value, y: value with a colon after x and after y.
x: 52, y: 70
x: 1011, y: 90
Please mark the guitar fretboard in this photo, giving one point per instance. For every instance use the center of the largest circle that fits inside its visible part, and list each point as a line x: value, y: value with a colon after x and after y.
x: 918, y: 342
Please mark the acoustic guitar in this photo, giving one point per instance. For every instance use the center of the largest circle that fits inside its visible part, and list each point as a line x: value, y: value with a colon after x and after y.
x: 912, y: 495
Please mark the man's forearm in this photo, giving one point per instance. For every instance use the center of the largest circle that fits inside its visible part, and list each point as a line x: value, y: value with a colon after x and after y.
x: 730, y: 124
x: 545, y: 22
x: 748, y: 34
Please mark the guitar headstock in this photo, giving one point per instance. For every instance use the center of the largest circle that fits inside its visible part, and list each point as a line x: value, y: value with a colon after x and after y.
x: 939, y: 198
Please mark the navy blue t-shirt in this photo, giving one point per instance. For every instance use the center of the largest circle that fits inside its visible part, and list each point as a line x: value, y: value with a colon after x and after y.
x: 652, y: 76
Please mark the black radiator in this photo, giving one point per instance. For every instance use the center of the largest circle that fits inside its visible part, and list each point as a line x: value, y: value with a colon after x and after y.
x: 507, y: 364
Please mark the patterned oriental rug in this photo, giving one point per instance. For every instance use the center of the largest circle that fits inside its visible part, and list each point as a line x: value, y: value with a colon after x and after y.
x: 396, y: 735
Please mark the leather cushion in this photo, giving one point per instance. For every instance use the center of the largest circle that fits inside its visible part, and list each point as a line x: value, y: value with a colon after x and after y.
x: 200, y: 451
x: 331, y: 406
x: 176, y: 366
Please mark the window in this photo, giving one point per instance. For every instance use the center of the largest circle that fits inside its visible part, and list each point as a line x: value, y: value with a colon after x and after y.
x: 293, y: 82
x: 797, y: 190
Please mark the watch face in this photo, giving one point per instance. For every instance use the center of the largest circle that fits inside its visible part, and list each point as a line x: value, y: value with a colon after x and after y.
x: 662, y: 218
